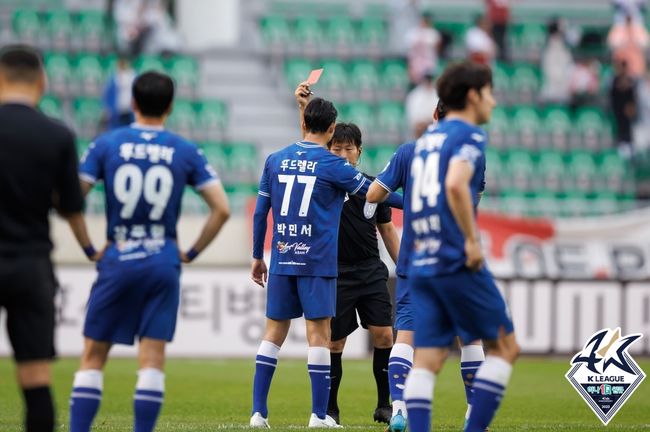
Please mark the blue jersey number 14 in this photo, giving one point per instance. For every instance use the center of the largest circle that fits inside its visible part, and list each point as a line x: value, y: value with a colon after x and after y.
x: 425, y: 181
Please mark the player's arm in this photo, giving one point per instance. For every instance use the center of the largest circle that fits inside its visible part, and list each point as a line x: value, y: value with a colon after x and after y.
x: 303, y: 95
x: 388, y: 180
x: 393, y: 199
x: 215, y: 197
x: 259, y: 272
x: 459, y: 197
x: 391, y: 239
x: 376, y: 193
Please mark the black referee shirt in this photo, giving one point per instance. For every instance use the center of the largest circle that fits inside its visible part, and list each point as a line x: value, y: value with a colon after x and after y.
x: 38, y: 169
x: 358, y: 235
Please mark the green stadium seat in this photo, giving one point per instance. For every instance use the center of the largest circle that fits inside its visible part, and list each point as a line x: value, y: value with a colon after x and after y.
x: 185, y: 71
x: 515, y: 202
x: 26, y: 26
x: 499, y: 128
x: 59, y: 72
x: 545, y: 203
x: 89, y: 72
x: 308, y: 31
x: 501, y: 82
x: 557, y: 128
x: 527, y: 123
x: 87, y: 114
x: 613, y: 172
x: 361, y: 114
x: 296, y: 71
x: 216, y: 155
x: 149, y: 62
x: 51, y: 106
x: 59, y: 28
x: 375, y: 158
x: 390, y: 120
x: 575, y: 204
x: 183, y: 119
x: 242, y: 161
x: 339, y: 31
x: 373, y: 31
x: 456, y: 30
x: 525, y: 83
x: 91, y: 29
x: 240, y: 194
x: 592, y: 129
x: 211, y: 119
x: 94, y: 201
x: 521, y: 166
x: 496, y: 174
x: 334, y: 76
x: 276, y: 31
x: 193, y: 203
x: 364, y: 76
x: 551, y: 170
x: 604, y: 203
x: 82, y: 146
x: 394, y: 76
x: 528, y: 39
x: 582, y: 169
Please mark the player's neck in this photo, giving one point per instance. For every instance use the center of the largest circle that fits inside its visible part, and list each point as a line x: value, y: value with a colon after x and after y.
x: 319, y: 139
x: 150, y: 121
x: 20, y: 94
x: 464, y: 115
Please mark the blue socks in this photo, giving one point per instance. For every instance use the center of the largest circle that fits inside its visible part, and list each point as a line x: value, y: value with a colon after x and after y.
x: 399, y: 366
x: 85, y: 398
x: 318, y: 365
x: 265, y: 364
x: 418, y: 396
x: 471, y: 357
x: 148, y: 399
x: 489, y: 386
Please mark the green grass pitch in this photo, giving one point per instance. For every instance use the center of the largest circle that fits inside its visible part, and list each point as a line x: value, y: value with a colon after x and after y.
x: 210, y: 395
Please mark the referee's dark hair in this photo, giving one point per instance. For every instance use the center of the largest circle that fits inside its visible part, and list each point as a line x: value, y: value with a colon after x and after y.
x: 457, y: 80
x: 346, y: 133
x: 319, y: 115
x: 21, y: 63
x: 153, y: 93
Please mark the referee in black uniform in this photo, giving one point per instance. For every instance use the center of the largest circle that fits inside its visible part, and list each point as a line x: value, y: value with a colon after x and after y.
x: 38, y: 171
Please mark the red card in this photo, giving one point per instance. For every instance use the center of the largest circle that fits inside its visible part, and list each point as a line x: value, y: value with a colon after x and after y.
x: 314, y: 76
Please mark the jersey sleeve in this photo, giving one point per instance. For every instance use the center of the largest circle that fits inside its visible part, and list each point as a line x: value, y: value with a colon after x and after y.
x: 265, y: 183
x: 91, y: 166
x: 345, y: 176
x: 471, y: 150
x: 68, y: 188
x: 202, y: 174
x: 391, y: 177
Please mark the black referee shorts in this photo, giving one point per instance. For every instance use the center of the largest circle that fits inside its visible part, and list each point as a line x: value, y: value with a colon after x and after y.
x: 27, y: 289
x: 362, y: 289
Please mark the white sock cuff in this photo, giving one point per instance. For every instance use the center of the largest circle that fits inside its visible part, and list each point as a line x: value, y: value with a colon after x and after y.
x: 495, y: 369
x: 419, y: 384
x: 151, y: 379
x: 402, y: 350
x: 90, y: 378
x: 472, y: 353
x: 268, y: 349
x: 318, y: 356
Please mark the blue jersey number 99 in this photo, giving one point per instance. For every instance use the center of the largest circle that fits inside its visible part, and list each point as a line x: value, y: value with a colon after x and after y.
x: 155, y: 186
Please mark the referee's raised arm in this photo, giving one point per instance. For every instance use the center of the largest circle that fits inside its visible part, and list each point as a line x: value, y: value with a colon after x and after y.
x: 38, y: 171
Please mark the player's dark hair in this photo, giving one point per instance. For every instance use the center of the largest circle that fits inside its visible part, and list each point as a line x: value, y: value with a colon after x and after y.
x: 319, y: 115
x: 441, y: 111
x: 346, y: 133
x: 457, y: 80
x: 21, y: 63
x: 153, y: 93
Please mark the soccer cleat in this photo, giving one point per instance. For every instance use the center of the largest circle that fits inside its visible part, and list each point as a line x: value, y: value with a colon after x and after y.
x: 467, y: 421
x: 382, y: 414
x: 257, y: 421
x: 397, y: 423
x: 327, y: 422
x: 334, y: 415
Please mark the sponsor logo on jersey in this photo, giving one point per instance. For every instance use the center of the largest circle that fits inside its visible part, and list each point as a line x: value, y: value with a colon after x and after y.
x: 298, y: 248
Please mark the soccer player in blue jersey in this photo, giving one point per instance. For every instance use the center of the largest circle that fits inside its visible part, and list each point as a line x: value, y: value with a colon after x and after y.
x: 452, y: 291
x: 396, y: 175
x: 304, y: 185
x: 145, y: 170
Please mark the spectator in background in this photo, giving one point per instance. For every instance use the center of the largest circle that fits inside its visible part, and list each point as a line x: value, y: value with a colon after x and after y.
x: 631, y: 8
x: 498, y: 12
x: 557, y: 65
x: 623, y: 105
x: 404, y: 16
x: 144, y: 26
x: 584, y: 84
x: 641, y: 128
x: 628, y: 42
x: 479, y: 43
x: 117, y: 95
x: 423, y: 42
x: 420, y: 104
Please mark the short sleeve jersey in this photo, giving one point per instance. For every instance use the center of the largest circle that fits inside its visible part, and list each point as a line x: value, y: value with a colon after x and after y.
x: 439, y: 246
x: 145, y: 171
x: 307, y: 186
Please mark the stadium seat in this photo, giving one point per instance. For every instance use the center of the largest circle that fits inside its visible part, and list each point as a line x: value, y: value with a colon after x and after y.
x: 89, y: 72
x: 556, y: 129
x: 185, y: 71
x: 390, y: 120
x: 528, y: 39
x: 456, y: 30
x: 216, y: 155
x: 59, y: 28
x: 373, y: 31
x: 183, y: 119
x: 515, y: 202
x: 82, y: 146
x: 581, y: 168
x: 551, y: 171
x: 90, y: 30
x: 308, y: 31
x: 149, y: 62
x: 604, y: 202
x: 51, y: 106
x: 499, y: 128
x: 524, y: 83
x: 59, y: 72
x: 545, y: 203
x: 193, y: 203
x: 592, y: 129
x: 211, y: 119
x: 361, y: 114
x: 374, y: 159
x: 501, y: 82
x: 613, y: 172
x: 276, y: 31
x: 521, y: 166
x: 26, y: 26
x: 364, y: 78
x: 242, y: 161
x: 87, y: 114
x: 574, y: 204
x: 526, y: 122
x: 296, y: 71
x: 394, y: 76
x: 335, y: 78
x: 339, y: 31
x: 496, y: 175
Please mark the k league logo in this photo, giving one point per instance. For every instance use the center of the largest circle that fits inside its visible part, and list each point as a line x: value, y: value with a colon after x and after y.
x: 604, y: 373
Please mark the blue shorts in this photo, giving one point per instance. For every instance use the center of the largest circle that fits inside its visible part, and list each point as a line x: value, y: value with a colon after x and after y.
x: 465, y: 303
x: 134, y: 298
x: 290, y: 297
x: 403, y: 311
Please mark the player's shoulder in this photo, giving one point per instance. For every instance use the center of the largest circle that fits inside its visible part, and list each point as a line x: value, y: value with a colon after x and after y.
x: 462, y: 132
